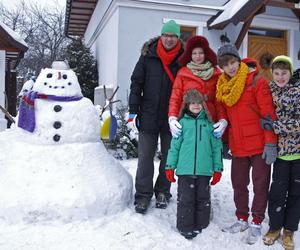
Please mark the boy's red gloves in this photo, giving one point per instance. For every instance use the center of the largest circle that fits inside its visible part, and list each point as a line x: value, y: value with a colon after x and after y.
x: 170, y: 175
x: 216, y: 178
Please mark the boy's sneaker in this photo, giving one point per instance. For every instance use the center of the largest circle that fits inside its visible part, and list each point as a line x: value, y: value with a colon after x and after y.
x: 271, y: 236
x: 288, y: 240
x: 254, y: 233
x: 238, y: 226
x: 161, y: 201
x: 189, y: 235
x: 141, y: 206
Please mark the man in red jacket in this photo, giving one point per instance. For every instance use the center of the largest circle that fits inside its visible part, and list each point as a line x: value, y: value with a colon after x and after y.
x: 246, y: 98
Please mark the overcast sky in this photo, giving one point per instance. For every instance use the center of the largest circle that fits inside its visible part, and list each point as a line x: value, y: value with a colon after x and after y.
x: 12, y: 3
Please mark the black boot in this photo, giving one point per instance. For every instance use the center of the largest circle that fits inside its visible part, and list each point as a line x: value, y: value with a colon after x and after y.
x: 141, y: 206
x: 161, y: 201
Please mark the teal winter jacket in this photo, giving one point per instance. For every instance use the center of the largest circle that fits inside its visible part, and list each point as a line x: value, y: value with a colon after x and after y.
x: 196, y: 151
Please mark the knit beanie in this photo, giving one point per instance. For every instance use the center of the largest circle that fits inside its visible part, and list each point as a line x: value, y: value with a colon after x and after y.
x: 285, y: 59
x: 171, y: 27
x: 228, y: 49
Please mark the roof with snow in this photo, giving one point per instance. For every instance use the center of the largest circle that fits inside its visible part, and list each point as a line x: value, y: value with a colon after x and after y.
x: 13, y: 44
x: 243, y: 10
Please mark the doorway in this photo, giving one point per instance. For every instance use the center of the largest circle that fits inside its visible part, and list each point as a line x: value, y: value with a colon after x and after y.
x: 264, y: 45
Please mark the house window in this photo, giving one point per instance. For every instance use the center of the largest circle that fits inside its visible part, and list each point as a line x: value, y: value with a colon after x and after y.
x: 186, y: 32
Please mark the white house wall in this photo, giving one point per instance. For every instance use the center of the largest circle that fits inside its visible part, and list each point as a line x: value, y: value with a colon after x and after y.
x: 3, y: 122
x: 105, y: 49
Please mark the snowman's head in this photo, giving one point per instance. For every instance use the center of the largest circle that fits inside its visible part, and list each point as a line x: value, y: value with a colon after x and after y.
x: 59, y: 82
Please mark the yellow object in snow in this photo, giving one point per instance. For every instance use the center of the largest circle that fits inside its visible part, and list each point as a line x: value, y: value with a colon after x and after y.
x: 105, y: 129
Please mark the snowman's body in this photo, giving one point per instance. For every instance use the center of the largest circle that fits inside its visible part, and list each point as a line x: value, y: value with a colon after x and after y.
x: 61, y: 170
x: 65, y: 122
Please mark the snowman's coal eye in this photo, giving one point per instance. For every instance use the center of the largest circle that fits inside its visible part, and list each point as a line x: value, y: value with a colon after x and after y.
x: 65, y: 76
x: 49, y: 75
x: 45, y: 83
x: 69, y: 83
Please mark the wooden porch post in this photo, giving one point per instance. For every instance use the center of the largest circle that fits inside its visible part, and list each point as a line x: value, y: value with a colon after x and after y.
x: 3, y: 122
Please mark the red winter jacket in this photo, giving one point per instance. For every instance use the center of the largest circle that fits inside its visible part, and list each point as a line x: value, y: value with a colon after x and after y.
x: 186, y: 80
x: 246, y: 137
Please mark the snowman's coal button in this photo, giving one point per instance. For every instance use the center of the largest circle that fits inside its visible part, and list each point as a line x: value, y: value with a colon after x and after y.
x: 57, y: 125
x: 57, y: 108
x: 56, y: 137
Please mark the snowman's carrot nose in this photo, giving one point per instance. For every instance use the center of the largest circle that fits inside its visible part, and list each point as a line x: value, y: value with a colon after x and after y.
x: 59, y: 75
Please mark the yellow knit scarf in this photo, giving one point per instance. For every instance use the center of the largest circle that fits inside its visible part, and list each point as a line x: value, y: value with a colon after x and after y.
x: 229, y: 91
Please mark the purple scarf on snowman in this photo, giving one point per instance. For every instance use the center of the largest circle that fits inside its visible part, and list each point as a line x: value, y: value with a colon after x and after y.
x: 27, y: 113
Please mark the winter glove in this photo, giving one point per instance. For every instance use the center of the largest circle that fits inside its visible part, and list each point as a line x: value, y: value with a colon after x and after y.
x: 216, y: 178
x: 133, y: 122
x: 219, y: 128
x: 226, y: 151
x: 266, y: 123
x: 175, y: 127
x: 170, y: 175
x: 270, y: 153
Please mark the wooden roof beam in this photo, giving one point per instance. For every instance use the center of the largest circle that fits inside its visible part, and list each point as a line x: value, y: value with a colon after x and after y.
x: 280, y: 4
x: 247, y: 23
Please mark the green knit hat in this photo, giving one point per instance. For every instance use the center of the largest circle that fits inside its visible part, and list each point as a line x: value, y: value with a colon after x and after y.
x: 285, y: 59
x: 171, y: 27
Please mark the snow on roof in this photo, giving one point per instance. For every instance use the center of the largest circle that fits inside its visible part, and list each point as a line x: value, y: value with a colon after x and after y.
x: 230, y: 9
x: 13, y: 34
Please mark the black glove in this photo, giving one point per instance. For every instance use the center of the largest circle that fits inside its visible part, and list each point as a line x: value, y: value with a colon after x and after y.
x: 226, y: 151
x: 270, y: 153
x: 266, y: 123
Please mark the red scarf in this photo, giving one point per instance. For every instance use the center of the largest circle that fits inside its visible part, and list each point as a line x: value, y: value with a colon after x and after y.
x: 167, y: 57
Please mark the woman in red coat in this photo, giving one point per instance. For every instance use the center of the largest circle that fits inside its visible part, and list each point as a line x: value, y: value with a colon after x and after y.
x: 199, y: 71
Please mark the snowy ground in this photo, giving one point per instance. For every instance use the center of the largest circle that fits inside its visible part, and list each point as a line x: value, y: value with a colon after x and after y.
x: 128, y: 230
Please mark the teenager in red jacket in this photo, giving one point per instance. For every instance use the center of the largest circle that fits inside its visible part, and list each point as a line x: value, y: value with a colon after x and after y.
x: 246, y: 98
x: 199, y: 71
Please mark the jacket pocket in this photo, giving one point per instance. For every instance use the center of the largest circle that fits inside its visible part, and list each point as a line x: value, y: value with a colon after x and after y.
x: 253, y: 136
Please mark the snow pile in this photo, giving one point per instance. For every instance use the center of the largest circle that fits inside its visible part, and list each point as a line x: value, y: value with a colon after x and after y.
x: 73, y: 181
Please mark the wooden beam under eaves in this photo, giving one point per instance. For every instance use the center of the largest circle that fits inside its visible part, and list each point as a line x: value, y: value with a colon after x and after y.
x: 283, y: 4
x: 243, y: 32
x: 260, y: 9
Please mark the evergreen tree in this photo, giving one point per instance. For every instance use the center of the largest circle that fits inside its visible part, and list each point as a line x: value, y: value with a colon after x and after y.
x: 84, y: 64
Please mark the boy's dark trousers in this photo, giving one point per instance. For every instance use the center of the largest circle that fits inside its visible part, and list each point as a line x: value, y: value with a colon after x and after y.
x: 193, y: 205
x: 284, y: 197
x: 147, y: 146
x: 240, y: 178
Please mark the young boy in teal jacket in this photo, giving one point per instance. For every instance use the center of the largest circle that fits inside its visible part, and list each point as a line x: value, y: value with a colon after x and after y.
x: 197, y: 156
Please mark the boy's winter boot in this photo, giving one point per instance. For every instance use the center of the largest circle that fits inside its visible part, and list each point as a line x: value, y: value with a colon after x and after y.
x: 238, y: 226
x: 254, y: 233
x: 189, y: 235
x: 271, y: 236
x: 141, y: 206
x: 288, y: 240
x: 161, y: 201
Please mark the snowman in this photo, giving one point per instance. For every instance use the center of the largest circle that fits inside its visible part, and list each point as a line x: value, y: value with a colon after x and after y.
x: 53, y: 164
x: 55, y: 110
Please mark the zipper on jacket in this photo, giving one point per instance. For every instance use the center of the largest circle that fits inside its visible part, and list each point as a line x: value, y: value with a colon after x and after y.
x: 195, y: 157
x: 200, y: 133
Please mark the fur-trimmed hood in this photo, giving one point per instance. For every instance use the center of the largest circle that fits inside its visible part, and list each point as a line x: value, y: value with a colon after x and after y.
x: 146, y: 46
x: 151, y: 42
